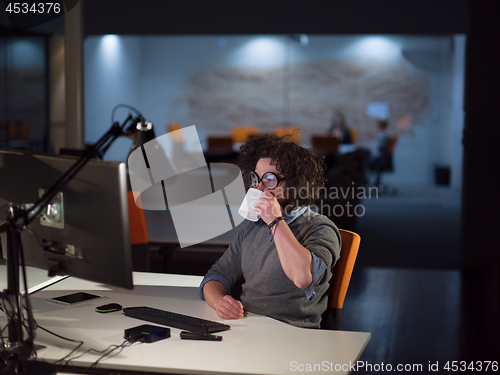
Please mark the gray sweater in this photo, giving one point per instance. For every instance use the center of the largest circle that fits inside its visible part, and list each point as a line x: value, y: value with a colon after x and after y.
x: 266, y: 289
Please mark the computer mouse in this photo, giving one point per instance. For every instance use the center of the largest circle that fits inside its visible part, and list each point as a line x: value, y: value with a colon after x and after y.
x: 110, y: 307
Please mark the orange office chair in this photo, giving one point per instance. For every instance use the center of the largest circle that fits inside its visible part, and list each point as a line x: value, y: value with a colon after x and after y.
x: 293, y: 132
x: 139, y: 238
x: 354, y: 135
x: 15, y: 135
x: 332, y: 317
x: 173, y: 126
x: 18, y: 131
x: 240, y: 133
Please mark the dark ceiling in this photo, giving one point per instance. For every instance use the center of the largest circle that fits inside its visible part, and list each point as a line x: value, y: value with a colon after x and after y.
x: 188, y: 17
x: 275, y: 16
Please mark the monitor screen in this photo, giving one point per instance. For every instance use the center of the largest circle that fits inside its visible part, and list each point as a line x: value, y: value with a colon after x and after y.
x: 85, y: 230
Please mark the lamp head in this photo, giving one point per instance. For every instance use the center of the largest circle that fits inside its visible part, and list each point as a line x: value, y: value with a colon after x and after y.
x: 141, y: 132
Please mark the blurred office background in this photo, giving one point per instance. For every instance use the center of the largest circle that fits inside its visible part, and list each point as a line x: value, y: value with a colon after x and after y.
x: 218, y: 82
x: 419, y: 269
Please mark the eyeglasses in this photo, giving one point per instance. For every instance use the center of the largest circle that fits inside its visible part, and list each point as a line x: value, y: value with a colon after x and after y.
x: 268, y: 179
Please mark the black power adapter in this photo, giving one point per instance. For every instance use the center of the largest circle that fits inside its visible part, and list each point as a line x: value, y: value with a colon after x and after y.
x: 147, y: 333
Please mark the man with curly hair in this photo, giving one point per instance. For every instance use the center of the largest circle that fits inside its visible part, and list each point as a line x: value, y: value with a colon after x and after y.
x: 285, y: 259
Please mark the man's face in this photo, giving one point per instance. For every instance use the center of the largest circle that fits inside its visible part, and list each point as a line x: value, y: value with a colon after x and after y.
x: 265, y: 165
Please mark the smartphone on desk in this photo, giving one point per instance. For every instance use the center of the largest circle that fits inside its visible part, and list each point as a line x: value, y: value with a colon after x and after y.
x: 74, y: 298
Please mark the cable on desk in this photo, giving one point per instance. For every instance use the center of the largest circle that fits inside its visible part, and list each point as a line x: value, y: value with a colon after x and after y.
x: 4, y: 358
x: 80, y: 343
x: 13, y: 310
x: 106, y: 352
x: 35, y: 326
x: 9, y: 316
x: 122, y: 346
x: 68, y: 358
x: 6, y: 353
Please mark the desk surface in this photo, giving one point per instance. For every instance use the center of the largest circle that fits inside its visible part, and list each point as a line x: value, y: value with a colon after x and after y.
x: 254, y: 345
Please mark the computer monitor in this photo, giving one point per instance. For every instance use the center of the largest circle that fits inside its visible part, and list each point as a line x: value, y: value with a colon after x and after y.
x: 87, y: 234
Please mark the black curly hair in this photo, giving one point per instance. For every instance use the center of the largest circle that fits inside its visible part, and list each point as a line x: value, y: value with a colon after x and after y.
x: 303, y: 169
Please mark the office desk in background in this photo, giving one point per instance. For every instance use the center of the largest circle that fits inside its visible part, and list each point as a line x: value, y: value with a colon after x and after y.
x: 164, y: 244
x: 161, y: 231
x: 254, y: 345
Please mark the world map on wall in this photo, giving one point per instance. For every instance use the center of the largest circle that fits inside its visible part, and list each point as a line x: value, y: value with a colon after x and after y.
x: 306, y: 94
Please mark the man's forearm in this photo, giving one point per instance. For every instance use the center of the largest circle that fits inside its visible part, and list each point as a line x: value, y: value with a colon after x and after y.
x: 214, y: 291
x: 295, y: 259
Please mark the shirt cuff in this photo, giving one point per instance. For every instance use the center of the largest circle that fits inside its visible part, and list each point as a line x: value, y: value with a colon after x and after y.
x: 210, y: 278
x: 319, y: 268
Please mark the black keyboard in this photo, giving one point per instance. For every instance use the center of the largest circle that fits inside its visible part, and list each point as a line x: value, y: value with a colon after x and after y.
x: 171, y: 319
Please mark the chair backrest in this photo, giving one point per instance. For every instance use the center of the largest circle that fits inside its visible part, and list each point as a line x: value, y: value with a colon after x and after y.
x: 139, y: 237
x: 354, y: 135
x: 332, y: 318
x: 343, y: 268
x: 137, y: 222
x: 173, y: 126
x: 240, y: 133
x: 293, y: 132
x: 18, y: 131
x: 325, y: 143
x: 220, y: 143
x: 391, y: 145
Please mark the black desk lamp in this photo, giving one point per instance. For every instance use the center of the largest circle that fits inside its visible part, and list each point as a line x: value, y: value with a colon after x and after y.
x: 140, y: 131
x: 15, y: 218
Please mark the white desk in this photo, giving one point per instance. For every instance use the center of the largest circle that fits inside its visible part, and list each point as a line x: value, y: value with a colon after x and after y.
x: 254, y: 344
